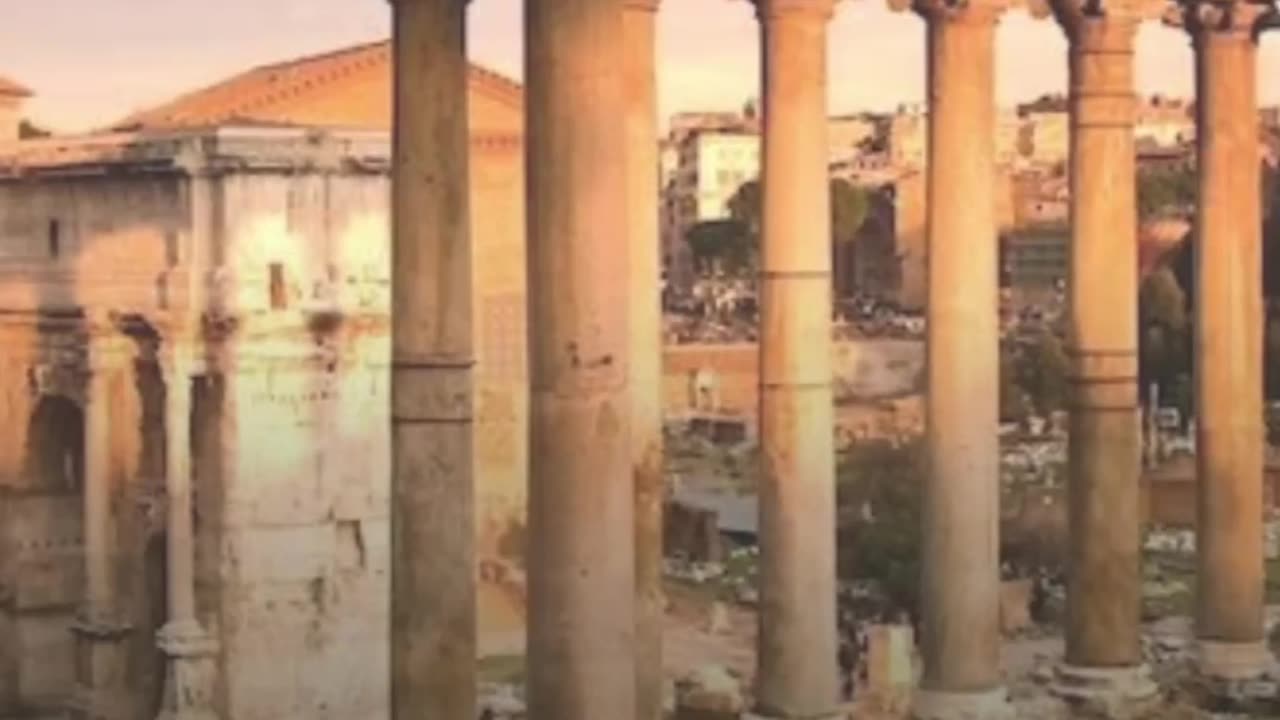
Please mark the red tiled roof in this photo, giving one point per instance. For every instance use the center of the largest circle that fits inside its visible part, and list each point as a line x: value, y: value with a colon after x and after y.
x: 266, y: 93
x: 9, y: 87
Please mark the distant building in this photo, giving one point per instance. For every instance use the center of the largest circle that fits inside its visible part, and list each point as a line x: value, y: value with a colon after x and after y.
x: 909, y: 137
x: 12, y: 98
x: 1165, y: 122
x: 847, y: 134
x: 1045, y: 136
x: 1035, y: 258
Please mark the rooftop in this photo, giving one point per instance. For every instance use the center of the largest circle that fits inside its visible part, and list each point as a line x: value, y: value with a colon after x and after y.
x: 300, y: 92
x: 12, y: 89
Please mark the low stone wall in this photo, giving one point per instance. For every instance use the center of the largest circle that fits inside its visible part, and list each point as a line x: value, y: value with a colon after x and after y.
x: 862, y: 370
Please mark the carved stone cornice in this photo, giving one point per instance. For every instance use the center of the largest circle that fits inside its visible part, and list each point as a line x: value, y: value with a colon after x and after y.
x: 956, y: 11
x: 1244, y: 18
x: 815, y: 9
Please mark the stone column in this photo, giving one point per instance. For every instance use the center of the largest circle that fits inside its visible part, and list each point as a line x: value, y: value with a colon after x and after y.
x: 190, y: 651
x: 581, y: 553
x: 796, y: 653
x: 433, y: 590
x: 1104, y: 588
x: 100, y: 629
x: 645, y: 362
x: 960, y: 589
x: 1228, y: 342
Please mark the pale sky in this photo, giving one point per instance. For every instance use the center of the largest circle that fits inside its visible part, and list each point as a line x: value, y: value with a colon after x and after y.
x: 94, y: 61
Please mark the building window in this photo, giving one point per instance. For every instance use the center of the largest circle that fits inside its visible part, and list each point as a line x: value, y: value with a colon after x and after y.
x: 278, y: 301
x: 55, y: 239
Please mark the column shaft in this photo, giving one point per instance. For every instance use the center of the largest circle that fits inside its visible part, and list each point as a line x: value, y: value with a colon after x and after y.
x: 181, y: 542
x: 1104, y: 581
x: 100, y: 587
x: 645, y: 364
x: 960, y: 556
x: 581, y: 654
x: 1228, y: 340
x: 100, y: 632
x: 433, y: 593
x: 796, y: 647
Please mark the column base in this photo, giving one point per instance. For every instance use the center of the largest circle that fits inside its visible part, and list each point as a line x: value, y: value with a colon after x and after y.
x: 838, y: 713
x: 946, y: 705
x: 1118, y: 693
x: 99, y: 693
x: 1237, y: 674
x: 1232, y: 661
x: 190, y: 671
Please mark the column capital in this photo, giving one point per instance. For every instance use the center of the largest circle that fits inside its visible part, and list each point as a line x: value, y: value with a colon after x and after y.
x: 1244, y: 18
x: 817, y: 9
x: 956, y: 11
x: 1098, y: 19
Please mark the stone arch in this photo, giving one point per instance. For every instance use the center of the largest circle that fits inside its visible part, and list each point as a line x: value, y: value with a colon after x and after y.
x: 55, y: 444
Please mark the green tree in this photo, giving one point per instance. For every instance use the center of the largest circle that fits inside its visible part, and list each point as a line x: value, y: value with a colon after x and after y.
x: 879, y: 493
x: 849, y: 206
x: 1164, y: 342
x: 1014, y: 404
x: 721, y: 243
x: 1165, y: 190
x: 1042, y: 372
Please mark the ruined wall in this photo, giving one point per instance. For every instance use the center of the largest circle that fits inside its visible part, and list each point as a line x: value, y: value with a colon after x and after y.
x: 502, y: 374
x: 862, y: 369
x: 93, y: 243
x: 300, y: 600
x: 102, y: 241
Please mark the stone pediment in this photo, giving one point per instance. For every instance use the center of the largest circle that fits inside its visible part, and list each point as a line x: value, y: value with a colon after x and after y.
x: 347, y: 88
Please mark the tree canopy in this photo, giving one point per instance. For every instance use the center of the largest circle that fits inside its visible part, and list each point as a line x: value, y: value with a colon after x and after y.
x: 721, y: 243
x: 1166, y: 190
x: 849, y: 206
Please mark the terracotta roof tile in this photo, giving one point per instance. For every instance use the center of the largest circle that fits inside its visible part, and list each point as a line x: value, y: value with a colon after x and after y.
x: 271, y: 93
x: 9, y: 87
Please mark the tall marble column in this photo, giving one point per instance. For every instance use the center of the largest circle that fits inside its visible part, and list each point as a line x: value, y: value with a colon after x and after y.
x: 796, y: 674
x: 1228, y: 341
x: 189, y: 649
x: 581, y: 552
x: 1104, y: 588
x: 100, y: 628
x: 960, y: 588
x: 645, y: 365
x: 433, y: 585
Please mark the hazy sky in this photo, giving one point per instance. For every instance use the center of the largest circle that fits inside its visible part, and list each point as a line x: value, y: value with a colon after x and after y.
x: 94, y: 61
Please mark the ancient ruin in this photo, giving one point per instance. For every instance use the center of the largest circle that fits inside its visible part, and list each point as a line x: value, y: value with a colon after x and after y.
x: 264, y: 464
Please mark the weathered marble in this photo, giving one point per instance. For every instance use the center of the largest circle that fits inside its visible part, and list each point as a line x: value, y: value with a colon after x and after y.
x: 796, y: 673
x: 581, y: 551
x: 645, y: 362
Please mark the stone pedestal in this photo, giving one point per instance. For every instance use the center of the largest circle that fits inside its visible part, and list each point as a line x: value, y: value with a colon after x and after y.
x: 645, y: 365
x: 1228, y: 339
x: 797, y: 669
x: 581, y: 540
x: 945, y: 705
x: 101, y: 663
x: 1116, y: 693
x: 960, y: 589
x: 190, y: 674
x: 433, y: 584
